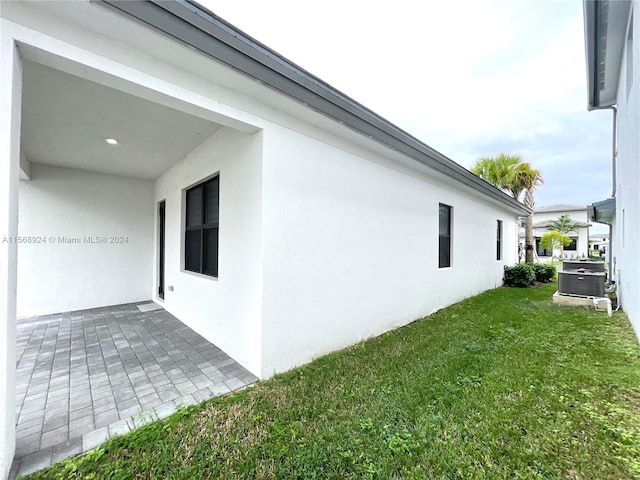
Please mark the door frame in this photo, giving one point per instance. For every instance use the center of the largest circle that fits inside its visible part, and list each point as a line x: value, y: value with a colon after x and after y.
x: 162, y: 217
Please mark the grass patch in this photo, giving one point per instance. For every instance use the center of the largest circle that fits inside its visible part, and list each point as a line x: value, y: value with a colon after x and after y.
x: 502, y: 385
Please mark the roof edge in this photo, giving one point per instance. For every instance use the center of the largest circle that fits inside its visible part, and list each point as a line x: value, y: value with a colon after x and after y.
x: 194, y: 25
x: 553, y: 209
x: 603, y: 211
x: 591, y: 14
x: 605, y: 35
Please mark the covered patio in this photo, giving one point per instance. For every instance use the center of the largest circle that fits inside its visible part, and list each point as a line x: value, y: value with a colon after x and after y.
x: 102, y: 142
x: 87, y: 375
x: 100, y: 223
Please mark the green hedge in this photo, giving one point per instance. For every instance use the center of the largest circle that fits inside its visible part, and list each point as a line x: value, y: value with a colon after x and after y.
x: 524, y: 275
x: 520, y: 275
x: 544, y: 272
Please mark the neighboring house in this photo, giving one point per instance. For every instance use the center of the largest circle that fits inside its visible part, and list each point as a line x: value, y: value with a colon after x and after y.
x: 579, y: 246
x: 598, y: 241
x: 612, y: 33
x: 165, y: 154
x: 599, y: 246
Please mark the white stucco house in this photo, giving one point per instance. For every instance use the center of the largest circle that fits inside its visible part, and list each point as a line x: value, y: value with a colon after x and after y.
x: 579, y: 246
x: 150, y: 150
x: 612, y: 34
x: 598, y: 242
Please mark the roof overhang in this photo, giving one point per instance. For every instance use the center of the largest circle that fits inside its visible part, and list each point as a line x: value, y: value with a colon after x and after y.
x: 545, y: 224
x: 603, y: 211
x: 560, y: 209
x: 192, y: 24
x: 605, y: 27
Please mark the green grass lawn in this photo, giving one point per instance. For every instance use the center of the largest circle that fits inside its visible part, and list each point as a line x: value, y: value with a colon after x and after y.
x: 502, y: 385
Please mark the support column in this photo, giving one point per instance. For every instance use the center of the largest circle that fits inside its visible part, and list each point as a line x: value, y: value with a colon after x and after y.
x: 10, y: 113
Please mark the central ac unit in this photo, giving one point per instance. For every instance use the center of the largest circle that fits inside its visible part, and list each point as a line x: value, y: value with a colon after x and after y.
x: 586, y: 264
x: 574, y: 282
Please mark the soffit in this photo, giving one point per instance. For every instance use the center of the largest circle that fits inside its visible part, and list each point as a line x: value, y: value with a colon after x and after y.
x: 65, y: 120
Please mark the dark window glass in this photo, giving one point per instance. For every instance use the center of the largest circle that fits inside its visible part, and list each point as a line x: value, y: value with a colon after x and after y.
x: 192, y: 250
x: 210, y: 252
x: 541, y: 251
x: 573, y: 245
x: 444, y: 244
x: 499, y: 241
x: 212, y: 206
x: 194, y: 206
x: 202, y: 222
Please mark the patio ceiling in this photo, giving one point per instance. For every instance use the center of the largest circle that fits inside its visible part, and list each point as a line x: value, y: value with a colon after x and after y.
x: 66, y: 119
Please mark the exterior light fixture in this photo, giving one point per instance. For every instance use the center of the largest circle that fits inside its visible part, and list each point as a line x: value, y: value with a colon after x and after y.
x: 111, y: 141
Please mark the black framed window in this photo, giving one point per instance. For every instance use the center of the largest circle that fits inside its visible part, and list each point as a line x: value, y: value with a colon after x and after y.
x: 202, y: 218
x: 541, y: 251
x: 444, y: 236
x: 499, y: 240
x: 573, y: 245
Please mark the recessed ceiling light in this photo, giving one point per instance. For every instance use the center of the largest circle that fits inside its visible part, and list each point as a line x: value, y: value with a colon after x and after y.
x: 111, y: 141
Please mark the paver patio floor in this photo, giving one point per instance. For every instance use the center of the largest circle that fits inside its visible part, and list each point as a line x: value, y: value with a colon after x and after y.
x: 87, y: 375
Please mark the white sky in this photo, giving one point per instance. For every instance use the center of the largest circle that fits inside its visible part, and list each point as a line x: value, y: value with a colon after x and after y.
x: 471, y: 78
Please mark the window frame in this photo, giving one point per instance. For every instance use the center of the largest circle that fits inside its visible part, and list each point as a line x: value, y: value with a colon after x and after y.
x: 542, y: 252
x: 205, y: 228
x: 629, y: 58
x: 499, y: 240
x: 446, y: 236
x: 573, y: 246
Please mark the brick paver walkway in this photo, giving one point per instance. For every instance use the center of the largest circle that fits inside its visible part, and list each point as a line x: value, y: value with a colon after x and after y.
x: 87, y: 375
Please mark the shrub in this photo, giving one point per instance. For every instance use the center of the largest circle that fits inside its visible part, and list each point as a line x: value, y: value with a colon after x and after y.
x: 544, y: 272
x: 520, y: 275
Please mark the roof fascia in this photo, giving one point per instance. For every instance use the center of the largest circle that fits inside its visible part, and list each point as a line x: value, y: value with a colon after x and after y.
x: 605, y: 30
x: 591, y: 13
x: 603, y: 211
x: 192, y: 24
x: 560, y: 210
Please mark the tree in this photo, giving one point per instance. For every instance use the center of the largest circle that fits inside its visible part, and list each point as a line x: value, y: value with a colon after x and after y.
x: 554, y: 240
x: 498, y: 171
x: 563, y: 224
x: 528, y: 178
x: 509, y: 173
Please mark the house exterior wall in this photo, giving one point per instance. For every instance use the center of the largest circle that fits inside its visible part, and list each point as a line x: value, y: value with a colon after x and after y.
x: 226, y: 310
x: 326, y: 236
x: 91, y: 42
x: 10, y: 111
x: 583, y: 242
x: 71, y: 213
x: 626, y: 235
x: 144, y: 63
x: 351, y: 247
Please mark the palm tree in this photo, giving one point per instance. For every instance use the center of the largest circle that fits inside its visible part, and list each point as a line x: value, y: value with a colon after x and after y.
x: 564, y: 224
x: 498, y: 171
x: 527, y: 178
x: 509, y: 173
